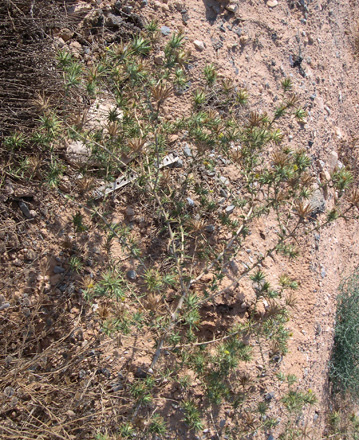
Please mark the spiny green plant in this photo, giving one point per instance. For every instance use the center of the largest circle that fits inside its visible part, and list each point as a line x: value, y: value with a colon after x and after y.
x: 183, y: 270
x: 344, y: 362
x: 295, y: 400
x: 157, y: 425
x: 191, y: 415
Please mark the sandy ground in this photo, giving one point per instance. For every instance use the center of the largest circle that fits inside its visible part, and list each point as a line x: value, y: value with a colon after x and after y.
x: 255, y: 47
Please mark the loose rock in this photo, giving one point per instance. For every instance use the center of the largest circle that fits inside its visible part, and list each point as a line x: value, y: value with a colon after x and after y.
x: 165, y: 30
x: 113, y: 21
x: 66, y: 34
x: 317, y: 202
x: 131, y: 275
x: 4, y: 306
x: 230, y: 209
x: 243, y: 40
x: 199, y: 45
x: 159, y: 58
x: 24, y: 209
x: 177, y: 164
x: 77, y: 152
x: 59, y: 269
x: 187, y: 151
x: 210, y: 229
x: 9, y: 391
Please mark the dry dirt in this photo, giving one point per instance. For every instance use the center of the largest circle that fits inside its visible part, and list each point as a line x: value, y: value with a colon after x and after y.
x: 256, y: 47
x: 322, y: 33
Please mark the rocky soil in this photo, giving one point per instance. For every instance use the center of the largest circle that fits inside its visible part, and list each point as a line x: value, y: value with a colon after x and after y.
x: 255, y: 44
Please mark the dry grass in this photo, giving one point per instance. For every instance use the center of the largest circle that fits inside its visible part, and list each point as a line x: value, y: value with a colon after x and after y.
x: 27, y: 65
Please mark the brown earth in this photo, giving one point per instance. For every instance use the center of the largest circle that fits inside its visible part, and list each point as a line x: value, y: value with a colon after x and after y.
x: 256, y: 46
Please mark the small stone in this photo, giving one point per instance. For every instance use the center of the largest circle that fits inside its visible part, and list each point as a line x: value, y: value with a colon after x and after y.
x: 117, y: 387
x: 224, y: 180
x: 338, y: 132
x: 33, y: 213
x: 59, y: 269
x: 234, y: 267
x: 4, y: 306
x: 317, y: 202
x: 113, y: 21
x: 8, y: 360
x: 243, y: 40
x: 199, y: 45
x: 270, y: 437
x: 190, y: 201
x: 327, y: 109
x: 75, y: 47
x: 30, y: 255
x: 131, y: 275
x: 118, y: 6
x: 269, y: 396
x: 209, y: 228
x: 159, y: 58
x: 223, y: 193
x: 128, y: 9
x: 129, y: 212
x: 187, y: 151
x: 185, y: 16
x: 77, y: 152
x: 230, y: 209
x: 173, y: 138
x: 66, y: 34
x: 9, y: 391
x: 272, y: 3
x: 177, y: 164
x: 70, y: 413
x: 333, y: 160
x: 323, y: 273
x: 165, y: 30
x: 25, y: 210
x: 140, y: 373
x: 232, y: 7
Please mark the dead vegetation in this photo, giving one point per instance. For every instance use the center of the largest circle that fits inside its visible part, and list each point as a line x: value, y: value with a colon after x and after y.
x: 137, y: 314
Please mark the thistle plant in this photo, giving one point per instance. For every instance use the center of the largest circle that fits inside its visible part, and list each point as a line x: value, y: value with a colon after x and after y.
x: 188, y: 273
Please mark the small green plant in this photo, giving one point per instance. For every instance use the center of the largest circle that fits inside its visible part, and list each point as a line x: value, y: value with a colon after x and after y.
x: 199, y: 97
x: 78, y: 222
x: 55, y: 171
x: 157, y: 425
x: 198, y: 248
x: 241, y: 97
x: 295, y: 400
x: 76, y: 264
x: 140, y: 46
x: 111, y: 285
x: 344, y: 367
x: 127, y: 430
x: 191, y: 415
x: 152, y: 27
x: 15, y: 141
x: 300, y: 114
x: 287, y: 84
x: 210, y: 74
